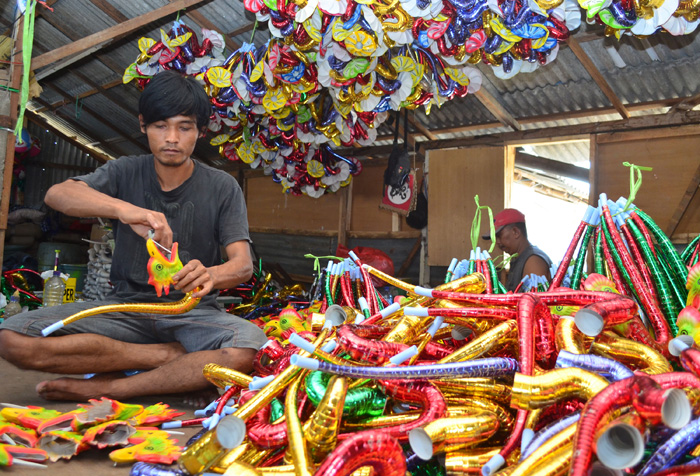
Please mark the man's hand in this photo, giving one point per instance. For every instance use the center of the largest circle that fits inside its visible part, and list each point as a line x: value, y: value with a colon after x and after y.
x: 192, y: 276
x: 142, y: 221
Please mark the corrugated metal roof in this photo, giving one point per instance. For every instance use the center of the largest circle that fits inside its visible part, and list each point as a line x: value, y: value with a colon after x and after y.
x: 639, y: 70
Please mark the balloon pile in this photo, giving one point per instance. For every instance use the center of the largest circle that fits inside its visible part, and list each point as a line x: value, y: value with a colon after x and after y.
x: 33, y: 435
x: 457, y: 379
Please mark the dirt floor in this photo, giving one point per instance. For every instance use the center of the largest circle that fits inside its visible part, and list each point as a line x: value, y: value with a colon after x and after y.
x: 17, y: 387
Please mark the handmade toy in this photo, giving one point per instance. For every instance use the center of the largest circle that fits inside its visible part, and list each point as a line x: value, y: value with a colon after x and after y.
x: 160, y: 270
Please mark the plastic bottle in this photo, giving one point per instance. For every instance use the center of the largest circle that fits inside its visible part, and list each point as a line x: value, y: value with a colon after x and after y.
x: 54, y: 290
x: 13, y: 307
x: 55, y: 287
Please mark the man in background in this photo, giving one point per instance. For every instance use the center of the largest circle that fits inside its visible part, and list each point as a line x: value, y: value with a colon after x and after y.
x: 511, y: 237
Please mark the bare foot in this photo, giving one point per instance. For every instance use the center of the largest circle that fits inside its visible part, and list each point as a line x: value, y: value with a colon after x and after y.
x: 201, y: 398
x: 71, y: 389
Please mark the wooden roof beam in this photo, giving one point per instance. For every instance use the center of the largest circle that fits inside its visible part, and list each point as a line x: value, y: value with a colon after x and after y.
x: 109, y: 95
x: 497, y: 109
x: 685, y: 104
x: 551, y: 166
x: 587, y: 63
x: 102, y: 120
x: 41, y: 122
x: 691, y: 118
x: 423, y: 130
x: 241, y: 30
x: 587, y: 113
x: 108, y: 35
x: 114, y: 14
x: 56, y: 105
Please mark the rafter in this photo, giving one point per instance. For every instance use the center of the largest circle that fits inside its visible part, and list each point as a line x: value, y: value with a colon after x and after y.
x: 109, y: 95
x: 106, y: 60
x: 587, y: 63
x: 685, y: 104
x: 41, y: 122
x: 496, y: 109
x: 565, y: 116
x: 241, y: 30
x: 421, y: 128
x: 108, y: 35
x: 56, y: 105
x: 691, y: 118
x: 551, y: 166
x: 98, y: 117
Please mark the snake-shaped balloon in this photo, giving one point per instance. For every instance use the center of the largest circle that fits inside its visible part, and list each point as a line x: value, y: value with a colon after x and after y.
x: 160, y: 271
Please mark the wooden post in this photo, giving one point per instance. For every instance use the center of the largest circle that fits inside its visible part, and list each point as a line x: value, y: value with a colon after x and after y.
x: 344, y: 213
x: 424, y: 270
x: 7, y: 139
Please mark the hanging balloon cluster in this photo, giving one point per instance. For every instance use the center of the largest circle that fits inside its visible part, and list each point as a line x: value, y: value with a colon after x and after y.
x: 333, y: 68
x: 278, y: 127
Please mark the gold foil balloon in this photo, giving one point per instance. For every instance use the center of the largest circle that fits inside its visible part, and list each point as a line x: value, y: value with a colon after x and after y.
x: 324, y: 423
x: 208, y: 449
x: 297, y: 443
x: 632, y: 353
x: 530, y: 392
x: 452, y: 433
x: 223, y: 376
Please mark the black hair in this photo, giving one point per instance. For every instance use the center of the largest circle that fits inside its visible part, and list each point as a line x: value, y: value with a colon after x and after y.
x: 521, y: 226
x: 169, y: 94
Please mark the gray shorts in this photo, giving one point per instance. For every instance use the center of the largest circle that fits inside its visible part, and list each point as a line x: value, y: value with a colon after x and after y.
x: 200, y: 329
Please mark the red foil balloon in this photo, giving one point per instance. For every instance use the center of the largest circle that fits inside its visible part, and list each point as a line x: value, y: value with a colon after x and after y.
x: 367, y: 448
x: 353, y: 339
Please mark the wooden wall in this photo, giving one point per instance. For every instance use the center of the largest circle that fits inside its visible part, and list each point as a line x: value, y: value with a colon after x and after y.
x: 455, y: 177
x: 668, y: 192
x: 269, y: 209
x: 285, y: 227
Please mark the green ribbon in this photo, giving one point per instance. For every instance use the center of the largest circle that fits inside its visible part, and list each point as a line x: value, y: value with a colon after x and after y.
x: 317, y: 265
x: 503, y: 260
x: 27, y: 42
x: 635, y: 184
x: 476, y: 225
x: 255, y: 28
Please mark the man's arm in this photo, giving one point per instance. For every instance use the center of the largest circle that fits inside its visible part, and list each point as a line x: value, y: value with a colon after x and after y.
x: 78, y: 199
x: 536, y: 265
x: 236, y: 270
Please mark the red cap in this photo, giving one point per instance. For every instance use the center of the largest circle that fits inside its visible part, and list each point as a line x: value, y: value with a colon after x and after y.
x: 505, y: 217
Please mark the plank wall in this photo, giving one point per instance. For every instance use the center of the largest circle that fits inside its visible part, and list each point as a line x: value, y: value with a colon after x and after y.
x: 285, y: 227
x: 456, y: 176
x: 271, y: 210
x: 668, y: 192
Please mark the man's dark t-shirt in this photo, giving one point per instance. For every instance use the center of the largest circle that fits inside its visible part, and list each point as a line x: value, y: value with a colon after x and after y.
x: 206, y: 212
